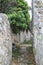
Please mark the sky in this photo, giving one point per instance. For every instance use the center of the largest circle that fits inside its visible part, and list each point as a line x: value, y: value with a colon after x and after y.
x: 29, y: 3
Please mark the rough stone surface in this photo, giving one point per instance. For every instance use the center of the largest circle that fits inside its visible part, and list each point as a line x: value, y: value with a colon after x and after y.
x: 23, y: 36
x: 38, y: 30
x: 5, y: 41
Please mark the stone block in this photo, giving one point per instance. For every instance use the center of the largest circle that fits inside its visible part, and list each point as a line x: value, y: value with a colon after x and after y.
x: 5, y: 40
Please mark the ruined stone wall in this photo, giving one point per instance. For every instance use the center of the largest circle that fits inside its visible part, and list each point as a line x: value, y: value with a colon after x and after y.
x: 38, y: 30
x: 23, y: 36
x: 5, y: 41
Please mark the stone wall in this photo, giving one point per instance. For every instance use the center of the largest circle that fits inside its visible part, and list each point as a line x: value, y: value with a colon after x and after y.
x: 5, y: 41
x: 38, y: 30
x: 20, y: 38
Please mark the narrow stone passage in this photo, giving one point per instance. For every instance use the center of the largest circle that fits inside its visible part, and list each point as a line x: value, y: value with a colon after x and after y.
x: 26, y: 57
x: 23, y: 58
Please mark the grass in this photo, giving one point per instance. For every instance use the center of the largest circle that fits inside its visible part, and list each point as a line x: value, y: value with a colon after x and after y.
x: 30, y: 58
x: 16, y: 53
x: 29, y: 49
x: 27, y: 42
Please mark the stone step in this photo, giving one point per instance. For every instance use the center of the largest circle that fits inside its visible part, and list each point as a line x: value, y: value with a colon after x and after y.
x: 25, y: 45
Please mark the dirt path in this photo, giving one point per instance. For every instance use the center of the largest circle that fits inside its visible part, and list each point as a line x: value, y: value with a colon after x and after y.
x: 26, y: 57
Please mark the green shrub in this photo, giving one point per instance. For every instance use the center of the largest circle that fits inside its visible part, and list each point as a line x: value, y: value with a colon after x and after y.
x: 17, y: 11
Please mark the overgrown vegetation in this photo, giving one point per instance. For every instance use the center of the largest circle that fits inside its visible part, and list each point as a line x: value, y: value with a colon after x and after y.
x: 3, y: 6
x: 27, y: 42
x: 17, y: 11
x: 16, y: 52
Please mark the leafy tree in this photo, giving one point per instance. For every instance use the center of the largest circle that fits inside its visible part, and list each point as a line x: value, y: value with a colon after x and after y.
x: 3, y: 5
x: 20, y: 18
x: 17, y: 11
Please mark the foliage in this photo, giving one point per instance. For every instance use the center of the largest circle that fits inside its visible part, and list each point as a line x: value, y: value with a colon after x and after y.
x: 3, y: 5
x: 30, y: 50
x: 17, y: 11
x: 16, y: 53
